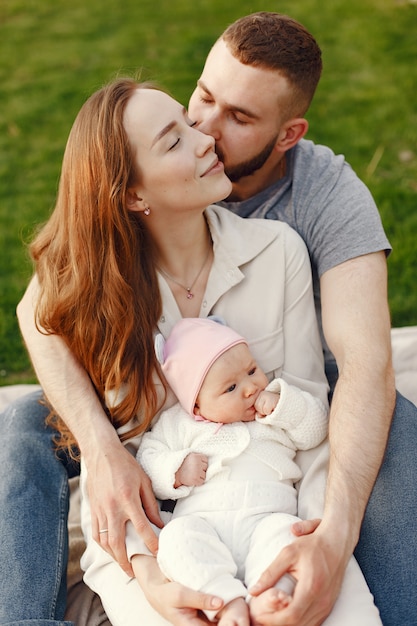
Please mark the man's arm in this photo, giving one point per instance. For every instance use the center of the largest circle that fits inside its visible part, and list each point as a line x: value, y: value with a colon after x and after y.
x: 118, y: 488
x: 356, y: 325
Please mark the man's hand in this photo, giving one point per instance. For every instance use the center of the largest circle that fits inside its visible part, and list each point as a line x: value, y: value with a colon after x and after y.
x: 179, y: 605
x: 319, y: 567
x: 119, y: 490
x: 192, y: 471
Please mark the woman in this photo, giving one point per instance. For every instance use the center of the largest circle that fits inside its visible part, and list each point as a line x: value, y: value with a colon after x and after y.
x: 129, y: 250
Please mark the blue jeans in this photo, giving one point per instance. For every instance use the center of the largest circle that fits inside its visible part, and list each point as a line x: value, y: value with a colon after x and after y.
x: 387, y: 548
x: 34, y: 498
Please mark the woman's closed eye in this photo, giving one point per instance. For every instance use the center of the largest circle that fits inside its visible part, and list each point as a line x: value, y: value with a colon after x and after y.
x: 178, y: 139
x: 175, y: 144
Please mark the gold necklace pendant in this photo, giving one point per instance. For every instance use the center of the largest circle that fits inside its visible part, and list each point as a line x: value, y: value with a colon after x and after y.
x: 190, y: 294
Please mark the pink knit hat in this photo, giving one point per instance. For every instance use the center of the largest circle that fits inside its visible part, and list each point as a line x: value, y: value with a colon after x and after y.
x: 189, y: 352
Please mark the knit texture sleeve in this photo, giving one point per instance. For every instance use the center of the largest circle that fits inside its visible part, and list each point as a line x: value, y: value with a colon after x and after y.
x: 303, y: 416
x: 161, y: 454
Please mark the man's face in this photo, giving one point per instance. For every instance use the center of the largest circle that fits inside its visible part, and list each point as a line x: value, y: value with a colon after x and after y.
x: 239, y: 105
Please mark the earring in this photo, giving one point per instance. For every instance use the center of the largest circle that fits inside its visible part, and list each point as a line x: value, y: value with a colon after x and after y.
x: 147, y: 211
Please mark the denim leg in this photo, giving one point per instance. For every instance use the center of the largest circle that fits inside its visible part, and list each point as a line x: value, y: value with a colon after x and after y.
x: 387, y: 549
x: 33, y: 519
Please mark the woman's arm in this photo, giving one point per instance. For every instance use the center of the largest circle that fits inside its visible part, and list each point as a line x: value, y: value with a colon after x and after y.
x: 119, y: 490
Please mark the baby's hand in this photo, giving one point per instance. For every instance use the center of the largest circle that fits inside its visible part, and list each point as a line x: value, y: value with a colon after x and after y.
x: 266, y: 402
x: 192, y: 471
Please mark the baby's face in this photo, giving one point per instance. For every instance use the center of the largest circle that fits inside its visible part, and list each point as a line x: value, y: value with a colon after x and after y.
x: 231, y: 387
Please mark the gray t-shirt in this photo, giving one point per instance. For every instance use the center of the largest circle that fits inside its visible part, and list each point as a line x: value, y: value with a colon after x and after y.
x: 325, y: 202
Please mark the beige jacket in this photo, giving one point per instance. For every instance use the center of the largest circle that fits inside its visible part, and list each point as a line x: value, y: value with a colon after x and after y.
x: 260, y: 284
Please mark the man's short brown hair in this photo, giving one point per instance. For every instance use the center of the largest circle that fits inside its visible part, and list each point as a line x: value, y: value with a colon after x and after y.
x: 277, y: 42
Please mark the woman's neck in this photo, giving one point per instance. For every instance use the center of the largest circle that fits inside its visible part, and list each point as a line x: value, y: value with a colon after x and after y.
x: 181, y: 249
x: 184, y: 258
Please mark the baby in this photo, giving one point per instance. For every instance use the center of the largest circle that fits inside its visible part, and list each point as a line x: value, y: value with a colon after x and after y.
x: 226, y: 453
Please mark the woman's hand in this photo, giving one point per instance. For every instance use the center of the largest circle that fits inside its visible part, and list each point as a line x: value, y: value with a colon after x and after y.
x: 179, y: 605
x: 119, y: 491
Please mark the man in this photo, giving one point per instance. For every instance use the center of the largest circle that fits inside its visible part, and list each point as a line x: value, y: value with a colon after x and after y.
x: 255, y: 88
x: 255, y: 109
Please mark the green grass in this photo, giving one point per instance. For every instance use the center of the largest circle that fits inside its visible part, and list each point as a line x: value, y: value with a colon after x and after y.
x: 54, y: 53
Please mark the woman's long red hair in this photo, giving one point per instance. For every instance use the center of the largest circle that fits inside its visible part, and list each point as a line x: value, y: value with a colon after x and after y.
x: 95, y: 263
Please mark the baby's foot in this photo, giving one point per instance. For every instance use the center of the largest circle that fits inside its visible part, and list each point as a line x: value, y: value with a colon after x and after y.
x: 235, y: 613
x: 274, y: 599
x: 270, y: 601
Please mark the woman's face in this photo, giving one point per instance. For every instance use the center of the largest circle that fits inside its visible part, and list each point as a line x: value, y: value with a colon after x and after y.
x: 177, y: 166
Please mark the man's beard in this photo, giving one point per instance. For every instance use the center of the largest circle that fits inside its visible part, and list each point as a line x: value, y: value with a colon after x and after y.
x: 246, y: 168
